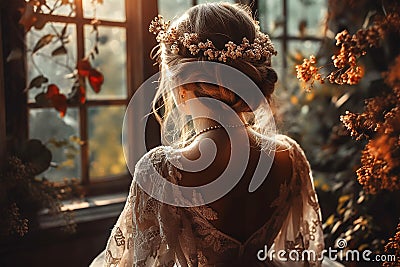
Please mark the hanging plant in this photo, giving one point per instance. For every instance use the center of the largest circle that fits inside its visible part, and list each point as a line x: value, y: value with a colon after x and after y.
x: 376, y: 127
x: 34, y: 16
x: 23, y: 195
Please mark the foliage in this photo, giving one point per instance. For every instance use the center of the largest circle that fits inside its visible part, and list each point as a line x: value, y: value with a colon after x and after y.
x: 35, y: 15
x: 366, y: 210
x: 393, y: 247
x: 22, y: 195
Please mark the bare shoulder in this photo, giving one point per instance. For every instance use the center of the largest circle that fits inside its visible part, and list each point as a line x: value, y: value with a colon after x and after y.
x: 283, y: 159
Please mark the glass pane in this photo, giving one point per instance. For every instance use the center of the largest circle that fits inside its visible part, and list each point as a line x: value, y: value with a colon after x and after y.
x: 171, y: 9
x: 306, y: 17
x: 277, y: 61
x: 60, y: 136
x: 271, y: 16
x: 300, y: 49
x: 61, y: 8
x: 55, y: 68
x: 111, y: 61
x: 112, y: 10
x: 297, y: 51
x: 105, y: 137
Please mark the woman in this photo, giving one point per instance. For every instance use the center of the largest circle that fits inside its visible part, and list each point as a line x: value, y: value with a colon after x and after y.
x: 161, y: 226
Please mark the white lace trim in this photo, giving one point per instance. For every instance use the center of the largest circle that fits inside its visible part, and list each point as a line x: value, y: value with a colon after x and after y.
x: 149, y: 232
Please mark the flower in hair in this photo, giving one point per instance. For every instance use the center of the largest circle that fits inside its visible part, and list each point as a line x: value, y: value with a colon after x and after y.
x: 261, y: 49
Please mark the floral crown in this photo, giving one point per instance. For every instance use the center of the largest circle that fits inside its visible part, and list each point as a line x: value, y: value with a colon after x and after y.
x: 261, y: 48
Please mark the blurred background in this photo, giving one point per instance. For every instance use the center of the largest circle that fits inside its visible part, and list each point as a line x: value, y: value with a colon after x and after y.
x: 69, y: 68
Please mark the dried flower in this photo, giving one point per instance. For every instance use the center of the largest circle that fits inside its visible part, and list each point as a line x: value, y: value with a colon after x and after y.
x: 308, y: 71
x: 393, y: 248
x: 261, y: 50
x: 380, y: 164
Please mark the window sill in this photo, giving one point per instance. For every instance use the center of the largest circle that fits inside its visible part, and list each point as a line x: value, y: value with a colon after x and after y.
x: 88, y: 210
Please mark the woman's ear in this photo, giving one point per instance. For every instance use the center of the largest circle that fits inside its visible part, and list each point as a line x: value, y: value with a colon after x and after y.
x: 182, y: 93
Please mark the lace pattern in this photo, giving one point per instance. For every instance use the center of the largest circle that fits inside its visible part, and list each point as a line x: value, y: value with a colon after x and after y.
x: 149, y: 233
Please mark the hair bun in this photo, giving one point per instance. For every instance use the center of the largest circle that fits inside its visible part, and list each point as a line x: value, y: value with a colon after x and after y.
x: 270, y: 77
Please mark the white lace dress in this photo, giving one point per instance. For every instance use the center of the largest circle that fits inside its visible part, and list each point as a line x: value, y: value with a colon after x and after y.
x: 149, y: 233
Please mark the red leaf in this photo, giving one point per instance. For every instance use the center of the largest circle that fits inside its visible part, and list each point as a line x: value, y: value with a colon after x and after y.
x: 84, y: 67
x: 96, y: 79
x: 60, y: 103
x: 40, y: 22
x: 52, y: 90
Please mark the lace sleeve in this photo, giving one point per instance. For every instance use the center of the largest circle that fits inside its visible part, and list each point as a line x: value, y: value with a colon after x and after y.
x: 146, y: 232
x: 302, y: 228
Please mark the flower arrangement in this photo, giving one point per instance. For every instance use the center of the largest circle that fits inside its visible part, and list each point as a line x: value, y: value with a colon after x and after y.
x: 376, y: 127
x: 261, y: 49
x: 35, y: 16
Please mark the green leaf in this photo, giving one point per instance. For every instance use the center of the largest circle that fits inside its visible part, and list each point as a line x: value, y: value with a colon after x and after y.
x: 45, y: 40
x: 59, y: 51
x: 37, y: 82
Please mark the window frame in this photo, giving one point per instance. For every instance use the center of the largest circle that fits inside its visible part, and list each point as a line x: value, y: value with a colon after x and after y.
x: 3, y: 146
x: 285, y: 39
x: 138, y: 15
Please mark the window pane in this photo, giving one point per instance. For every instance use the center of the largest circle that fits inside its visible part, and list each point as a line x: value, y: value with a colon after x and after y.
x: 111, y: 61
x: 105, y: 137
x: 60, y: 136
x: 303, y: 49
x: 271, y: 16
x: 62, y: 8
x: 297, y: 51
x: 112, y: 10
x: 277, y: 61
x: 55, y: 68
x: 171, y: 9
x: 306, y: 17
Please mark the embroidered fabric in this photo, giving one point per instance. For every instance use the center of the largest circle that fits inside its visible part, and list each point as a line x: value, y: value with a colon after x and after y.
x: 150, y: 233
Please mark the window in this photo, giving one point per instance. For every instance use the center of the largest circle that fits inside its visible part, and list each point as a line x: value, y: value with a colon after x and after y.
x: 86, y: 142
x: 296, y: 27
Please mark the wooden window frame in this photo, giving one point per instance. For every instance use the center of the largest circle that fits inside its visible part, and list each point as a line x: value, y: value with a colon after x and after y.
x: 138, y: 67
x: 80, y: 22
x: 3, y: 147
x: 285, y: 38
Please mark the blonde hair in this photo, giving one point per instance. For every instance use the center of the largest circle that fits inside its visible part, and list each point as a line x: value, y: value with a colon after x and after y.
x: 220, y: 23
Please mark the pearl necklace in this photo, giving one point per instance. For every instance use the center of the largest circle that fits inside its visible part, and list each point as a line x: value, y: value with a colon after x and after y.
x: 219, y: 127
